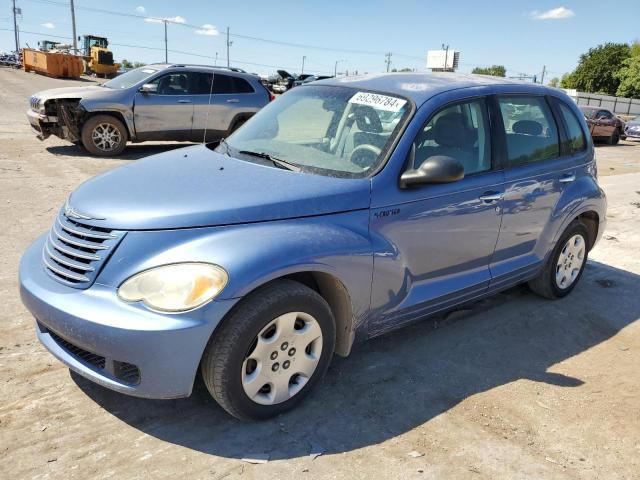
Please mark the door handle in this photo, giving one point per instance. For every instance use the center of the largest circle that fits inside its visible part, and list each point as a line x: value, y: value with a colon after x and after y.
x: 491, y: 197
x: 233, y: 100
x: 184, y: 101
x: 567, y: 178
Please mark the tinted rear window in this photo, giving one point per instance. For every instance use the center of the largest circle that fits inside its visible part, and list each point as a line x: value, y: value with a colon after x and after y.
x: 576, y: 141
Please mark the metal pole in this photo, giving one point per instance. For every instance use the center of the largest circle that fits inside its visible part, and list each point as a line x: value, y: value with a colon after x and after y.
x: 228, y: 45
x: 15, y: 27
x: 166, y: 48
x: 544, y: 70
x: 73, y: 27
x: 304, y: 57
x: 215, y: 62
x: 335, y: 69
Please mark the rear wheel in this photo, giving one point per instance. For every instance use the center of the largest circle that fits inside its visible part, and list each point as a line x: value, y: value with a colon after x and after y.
x: 104, y: 135
x: 565, y: 265
x: 614, y: 138
x: 270, y: 352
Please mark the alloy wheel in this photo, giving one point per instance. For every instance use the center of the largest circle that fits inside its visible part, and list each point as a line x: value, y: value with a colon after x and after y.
x: 106, y: 137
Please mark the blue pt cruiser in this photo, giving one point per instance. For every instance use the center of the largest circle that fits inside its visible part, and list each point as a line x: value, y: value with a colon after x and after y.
x: 346, y: 208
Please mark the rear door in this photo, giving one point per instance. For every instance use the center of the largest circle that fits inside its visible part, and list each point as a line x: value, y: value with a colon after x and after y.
x: 537, y: 171
x: 232, y: 99
x: 166, y: 114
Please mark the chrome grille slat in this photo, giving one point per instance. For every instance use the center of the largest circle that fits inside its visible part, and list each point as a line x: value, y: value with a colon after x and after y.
x: 67, y: 251
x: 67, y: 262
x: 65, y: 238
x: 85, y: 233
x: 63, y: 272
x: 74, y: 252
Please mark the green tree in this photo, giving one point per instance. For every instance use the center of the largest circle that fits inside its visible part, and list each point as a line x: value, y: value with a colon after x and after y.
x: 554, y: 82
x: 629, y: 76
x: 598, y: 68
x: 126, y: 64
x: 494, y: 70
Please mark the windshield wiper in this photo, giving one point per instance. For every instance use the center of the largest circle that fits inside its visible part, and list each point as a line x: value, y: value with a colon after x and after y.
x: 276, y: 161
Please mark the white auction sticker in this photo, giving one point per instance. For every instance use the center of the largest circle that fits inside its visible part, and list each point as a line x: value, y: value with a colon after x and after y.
x: 381, y: 102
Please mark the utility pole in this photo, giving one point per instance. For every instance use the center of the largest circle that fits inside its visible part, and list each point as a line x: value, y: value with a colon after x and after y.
x: 388, y: 60
x: 544, y: 70
x: 304, y: 57
x: 335, y: 69
x: 166, y: 46
x: 73, y: 27
x: 15, y: 26
x: 215, y: 62
x: 229, y: 43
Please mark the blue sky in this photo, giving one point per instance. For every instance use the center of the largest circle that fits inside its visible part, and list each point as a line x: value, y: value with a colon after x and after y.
x: 522, y: 35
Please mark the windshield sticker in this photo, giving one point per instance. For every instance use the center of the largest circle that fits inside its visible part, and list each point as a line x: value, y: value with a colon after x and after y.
x: 381, y: 102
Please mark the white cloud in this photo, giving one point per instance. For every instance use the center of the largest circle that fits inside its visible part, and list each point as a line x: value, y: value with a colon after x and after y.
x: 48, y: 25
x: 141, y: 9
x: 207, y: 30
x: 176, y: 19
x: 553, y: 14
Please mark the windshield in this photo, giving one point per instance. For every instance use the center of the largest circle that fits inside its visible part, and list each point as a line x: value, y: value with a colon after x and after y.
x: 130, y: 78
x: 335, y: 131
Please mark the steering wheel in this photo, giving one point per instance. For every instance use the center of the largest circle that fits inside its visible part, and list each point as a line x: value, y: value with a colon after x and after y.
x: 364, y: 155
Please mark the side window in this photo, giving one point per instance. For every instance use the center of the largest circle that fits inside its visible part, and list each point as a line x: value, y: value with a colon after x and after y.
x: 576, y: 141
x: 172, y: 84
x: 240, y: 85
x: 460, y: 131
x: 223, y: 84
x: 532, y: 135
x: 201, y: 83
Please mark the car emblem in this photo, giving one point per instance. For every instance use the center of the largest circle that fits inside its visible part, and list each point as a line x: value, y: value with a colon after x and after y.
x: 71, y: 212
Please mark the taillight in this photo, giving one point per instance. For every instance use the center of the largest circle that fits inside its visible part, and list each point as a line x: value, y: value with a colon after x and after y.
x: 272, y: 97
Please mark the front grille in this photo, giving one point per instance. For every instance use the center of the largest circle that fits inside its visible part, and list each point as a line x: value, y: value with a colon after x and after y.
x: 74, y: 252
x: 126, y: 372
x: 97, y: 361
x: 34, y: 102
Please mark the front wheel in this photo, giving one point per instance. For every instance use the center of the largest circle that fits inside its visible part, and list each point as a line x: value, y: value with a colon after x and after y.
x: 565, y: 264
x: 104, y: 135
x: 270, y: 352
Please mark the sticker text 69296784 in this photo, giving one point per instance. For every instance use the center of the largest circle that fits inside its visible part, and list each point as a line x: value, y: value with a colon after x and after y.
x: 380, y: 102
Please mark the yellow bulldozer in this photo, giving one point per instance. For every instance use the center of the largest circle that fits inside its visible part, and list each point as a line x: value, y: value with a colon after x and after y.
x: 97, y: 57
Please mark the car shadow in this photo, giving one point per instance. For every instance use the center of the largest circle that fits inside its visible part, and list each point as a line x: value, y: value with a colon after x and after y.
x: 132, y: 152
x: 394, y: 383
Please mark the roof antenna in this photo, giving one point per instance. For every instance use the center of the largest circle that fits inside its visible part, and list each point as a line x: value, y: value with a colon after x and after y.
x: 206, y: 122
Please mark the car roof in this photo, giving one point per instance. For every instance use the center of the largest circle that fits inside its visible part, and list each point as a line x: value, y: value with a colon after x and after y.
x: 232, y: 71
x: 419, y: 87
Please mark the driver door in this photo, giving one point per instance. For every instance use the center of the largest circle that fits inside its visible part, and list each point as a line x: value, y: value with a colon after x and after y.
x: 167, y: 113
x: 434, y: 242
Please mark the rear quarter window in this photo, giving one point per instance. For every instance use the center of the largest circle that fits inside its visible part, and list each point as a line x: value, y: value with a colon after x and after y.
x: 576, y: 141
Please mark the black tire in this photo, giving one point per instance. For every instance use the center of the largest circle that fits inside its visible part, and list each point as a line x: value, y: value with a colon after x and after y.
x: 221, y: 364
x: 614, y: 138
x: 237, y: 125
x: 101, y: 120
x: 545, y: 284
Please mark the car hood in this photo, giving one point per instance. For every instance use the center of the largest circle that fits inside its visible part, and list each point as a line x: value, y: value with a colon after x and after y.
x: 633, y: 123
x: 196, y: 187
x: 71, y: 92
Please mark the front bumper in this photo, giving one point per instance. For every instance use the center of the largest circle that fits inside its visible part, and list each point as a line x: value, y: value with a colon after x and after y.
x: 632, y: 133
x: 40, y: 123
x: 82, y: 327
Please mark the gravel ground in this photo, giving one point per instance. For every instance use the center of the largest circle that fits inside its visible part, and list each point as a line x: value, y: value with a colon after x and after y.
x: 514, y: 387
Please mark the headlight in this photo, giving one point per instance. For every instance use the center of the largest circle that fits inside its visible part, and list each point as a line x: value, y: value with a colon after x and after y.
x: 175, y: 288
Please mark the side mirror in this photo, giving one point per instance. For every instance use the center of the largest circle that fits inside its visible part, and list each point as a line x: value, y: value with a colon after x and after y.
x: 436, y: 169
x: 149, y: 88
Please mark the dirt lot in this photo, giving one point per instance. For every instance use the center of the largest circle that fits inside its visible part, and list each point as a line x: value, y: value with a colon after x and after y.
x: 517, y: 387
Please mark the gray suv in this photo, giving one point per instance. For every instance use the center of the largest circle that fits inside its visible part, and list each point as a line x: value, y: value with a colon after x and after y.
x: 154, y: 102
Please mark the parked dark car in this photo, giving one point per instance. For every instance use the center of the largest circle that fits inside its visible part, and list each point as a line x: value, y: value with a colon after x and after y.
x: 632, y: 128
x: 304, y: 79
x: 603, y: 124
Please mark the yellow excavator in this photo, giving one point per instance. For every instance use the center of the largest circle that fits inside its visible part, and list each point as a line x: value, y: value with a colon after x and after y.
x: 97, y: 57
